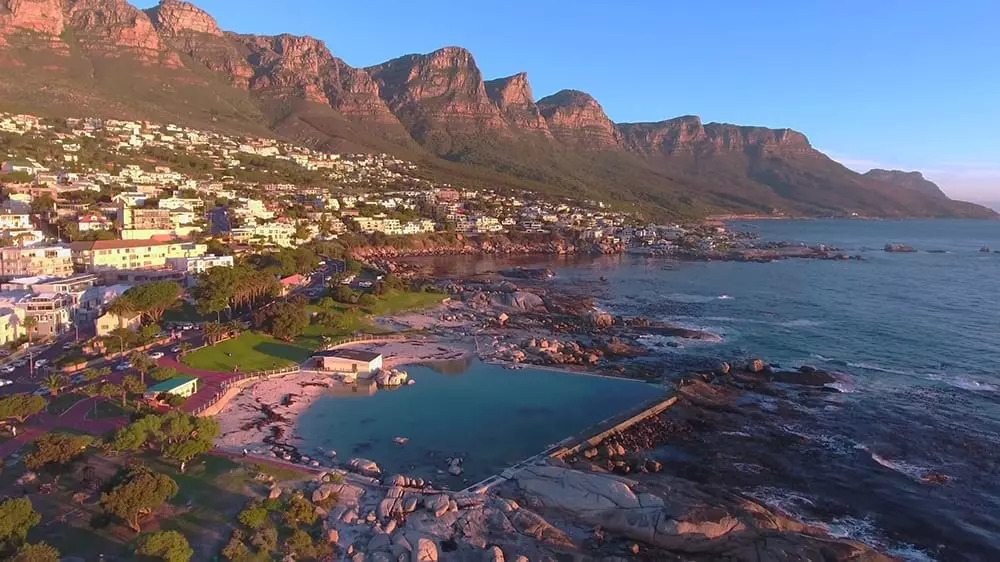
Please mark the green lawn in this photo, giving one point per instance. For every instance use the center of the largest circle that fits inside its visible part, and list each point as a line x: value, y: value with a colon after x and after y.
x: 107, y: 409
x: 63, y: 402
x: 251, y: 351
x: 396, y: 302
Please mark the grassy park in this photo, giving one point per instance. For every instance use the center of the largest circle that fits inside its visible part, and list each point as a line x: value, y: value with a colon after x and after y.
x: 251, y: 351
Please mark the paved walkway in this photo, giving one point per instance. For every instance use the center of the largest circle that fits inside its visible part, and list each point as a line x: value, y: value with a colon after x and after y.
x: 74, y: 418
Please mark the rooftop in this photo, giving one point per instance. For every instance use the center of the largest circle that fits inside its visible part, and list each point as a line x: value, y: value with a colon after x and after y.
x: 352, y: 354
x: 170, y: 384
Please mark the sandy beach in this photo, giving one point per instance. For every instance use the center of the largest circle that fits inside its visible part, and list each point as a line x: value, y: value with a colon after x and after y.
x: 270, y: 408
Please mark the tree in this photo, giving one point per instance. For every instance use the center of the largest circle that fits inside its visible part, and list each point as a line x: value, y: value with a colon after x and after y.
x: 122, y: 307
x: 109, y: 390
x: 131, y: 385
x: 54, y: 383
x: 254, y: 516
x: 139, y: 495
x: 236, y: 549
x: 142, y: 363
x: 21, y: 406
x: 90, y: 374
x: 367, y: 300
x: 43, y: 204
x: 153, y: 299
x: 163, y: 373
x: 265, y: 540
x: 169, y: 546
x: 37, y: 552
x: 299, y: 510
x: 122, y: 335
x: 17, y: 517
x: 56, y: 448
x: 213, y: 332
x: 138, y: 433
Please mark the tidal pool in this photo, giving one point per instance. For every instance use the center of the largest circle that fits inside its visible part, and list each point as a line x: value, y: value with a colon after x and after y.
x: 490, y: 416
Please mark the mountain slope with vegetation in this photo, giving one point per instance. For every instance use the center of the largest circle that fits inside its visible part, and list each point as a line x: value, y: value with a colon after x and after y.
x: 172, y: 63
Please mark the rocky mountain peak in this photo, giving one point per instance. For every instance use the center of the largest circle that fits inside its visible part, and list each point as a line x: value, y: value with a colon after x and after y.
x: 908, y: 180
x: 41, y: 16
x: 438, y: 96
x: 575, y: 118
x: 115, y: 26
x: 173, y: 17
x: 517, y: 104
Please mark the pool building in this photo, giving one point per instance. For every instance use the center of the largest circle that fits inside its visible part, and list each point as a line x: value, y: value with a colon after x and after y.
x: 181, y: 386
x: 352, y: 361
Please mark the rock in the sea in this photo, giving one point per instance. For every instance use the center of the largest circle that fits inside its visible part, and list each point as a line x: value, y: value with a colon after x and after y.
x: 756, y: 366
x: 601, y: 319
x: 424, y: 551
x: 365, y: 466
x: 493, y: 554
x: 274, y: 493
x: 437, y: 504
x: 332, y: 536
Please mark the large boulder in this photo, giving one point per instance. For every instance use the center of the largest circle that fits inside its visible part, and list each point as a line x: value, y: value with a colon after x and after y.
x: 365, y: 466
x: 601, y: 319
x: 520, y: 300
x: 425, y: 550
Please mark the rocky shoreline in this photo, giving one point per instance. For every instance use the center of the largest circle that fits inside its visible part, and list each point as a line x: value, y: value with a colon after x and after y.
x: 619, y: 499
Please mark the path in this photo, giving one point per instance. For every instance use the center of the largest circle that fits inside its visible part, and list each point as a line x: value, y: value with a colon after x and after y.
x: 74, y: 418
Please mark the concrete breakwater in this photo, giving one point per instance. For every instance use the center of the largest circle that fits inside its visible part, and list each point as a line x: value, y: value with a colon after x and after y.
x: 574, y: 444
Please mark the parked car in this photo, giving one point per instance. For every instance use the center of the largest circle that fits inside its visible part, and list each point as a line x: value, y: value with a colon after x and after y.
x: 42, y: 392
x: 156, y: 355
x: 77, y: 379
x: 123, y: 366
x: 20, y: 363
x: 175, y: 349
x: 5, y: 382
x: 7, y: 369
x: 41, y: 362
x: 4, y: 352
x: 68, y: 345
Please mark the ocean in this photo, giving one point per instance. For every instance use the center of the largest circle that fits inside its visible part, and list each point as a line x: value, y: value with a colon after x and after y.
x: 918, y: 335
x: 915, y: 336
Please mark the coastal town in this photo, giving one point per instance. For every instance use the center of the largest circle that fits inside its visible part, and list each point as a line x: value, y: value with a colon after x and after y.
x: 182, y: 298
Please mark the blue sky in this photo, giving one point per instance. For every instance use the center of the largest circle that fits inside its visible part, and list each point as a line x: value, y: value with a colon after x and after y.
x: 907, y: 84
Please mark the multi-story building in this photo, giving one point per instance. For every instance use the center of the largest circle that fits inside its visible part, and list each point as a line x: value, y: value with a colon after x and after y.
x: 281, y: 234
x: 14, y: 220
x: 133, y: 218
x: 130, y: 254
x: 199, y: 264
x: 28, y: 262
x: 53, y: 312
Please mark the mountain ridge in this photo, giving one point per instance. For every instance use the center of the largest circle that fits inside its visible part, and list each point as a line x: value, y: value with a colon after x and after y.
x: 173, y: 62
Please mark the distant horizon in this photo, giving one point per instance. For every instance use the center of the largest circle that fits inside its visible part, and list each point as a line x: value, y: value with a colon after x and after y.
x: 868, y: 91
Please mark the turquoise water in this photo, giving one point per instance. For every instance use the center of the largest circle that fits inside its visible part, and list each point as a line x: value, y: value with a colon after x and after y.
x: 490, y: 416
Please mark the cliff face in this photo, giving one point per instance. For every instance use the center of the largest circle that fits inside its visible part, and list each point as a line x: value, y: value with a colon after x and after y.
x: 41, y: 16
x: 913, y: 181
x: 302, y: 67
x: 687, y: 135
x: 438, y: 96
x: 173, y: 17
x: 576, y: 119
x: 517, y: 104
x: 113, y: 28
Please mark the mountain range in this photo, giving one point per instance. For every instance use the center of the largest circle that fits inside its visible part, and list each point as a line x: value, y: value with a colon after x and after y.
x: 172, y: 63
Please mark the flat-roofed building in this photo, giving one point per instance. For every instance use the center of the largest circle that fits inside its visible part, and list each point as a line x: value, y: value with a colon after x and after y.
x: 353, y: 361
x: 179, y: 386
x: 37, y: 260
x: 103, y: 255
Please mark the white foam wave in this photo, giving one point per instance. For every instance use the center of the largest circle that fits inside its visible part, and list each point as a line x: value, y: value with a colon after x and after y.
x: 878, y: 368
x: 736, y: 433
x: 864, y: 530
x: 973, y: 385
x: 843, y: 387
x: 912, y: 471
x: 748, y: 467
x: 695, y: 299
x: 800, y: 323
x: 785, y: 501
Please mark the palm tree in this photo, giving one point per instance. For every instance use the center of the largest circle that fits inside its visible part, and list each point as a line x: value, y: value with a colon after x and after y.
x: 213, y: 332
x: 121, y: 334
x: 29, y: 324
x: 54, y: 383
x: 142, y: 363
